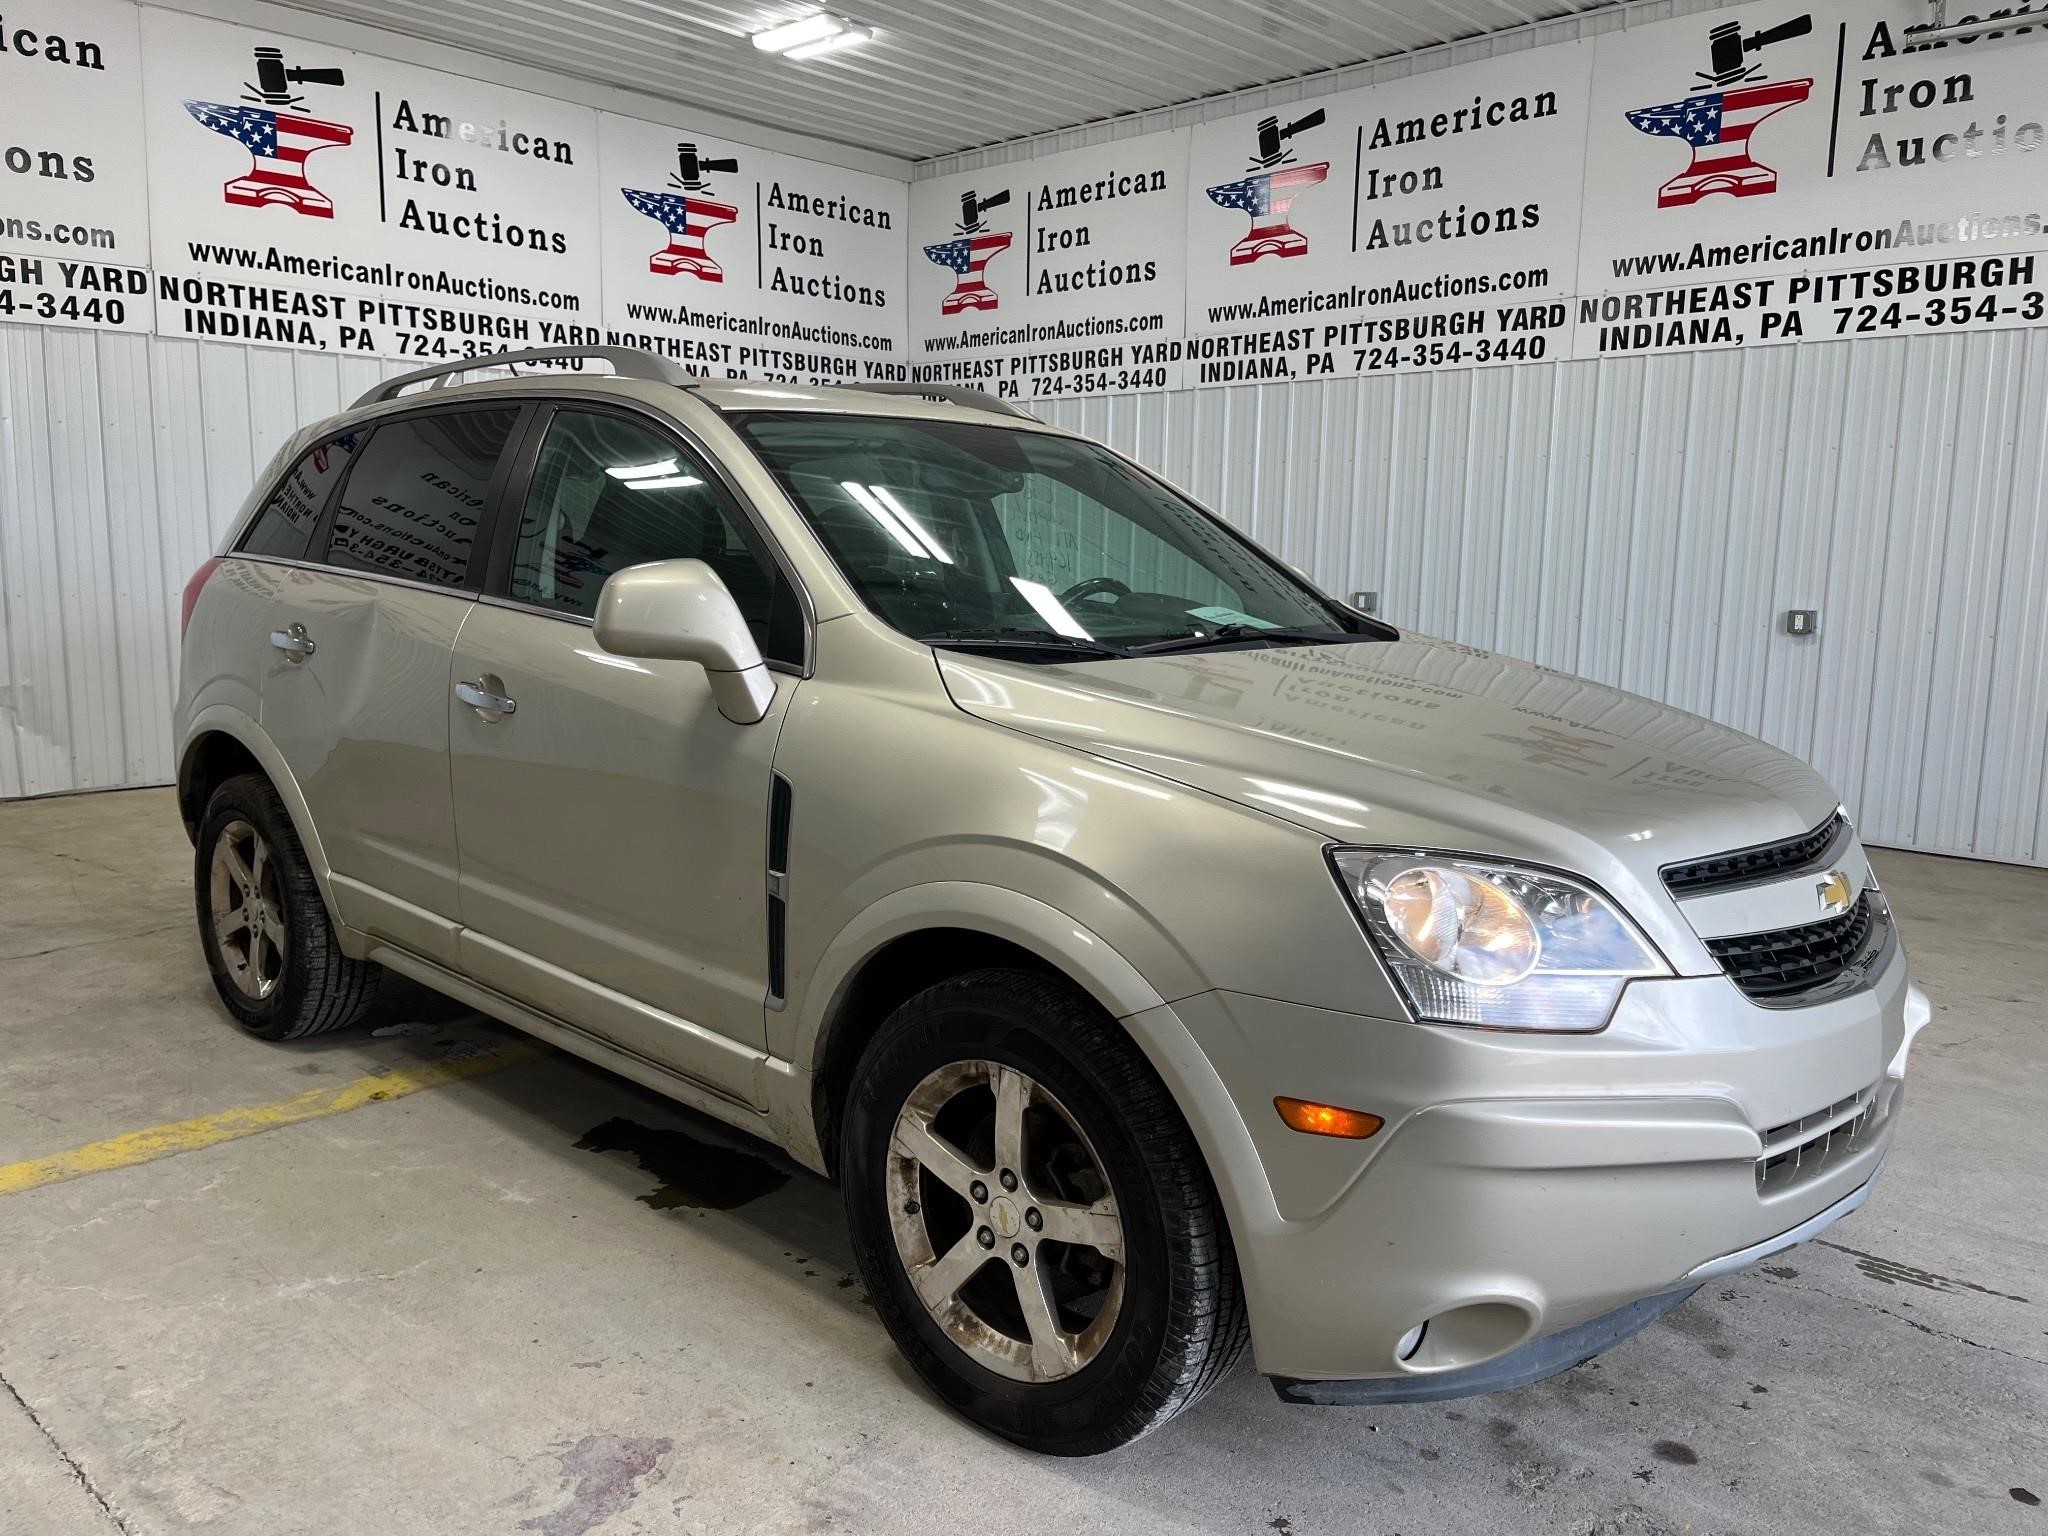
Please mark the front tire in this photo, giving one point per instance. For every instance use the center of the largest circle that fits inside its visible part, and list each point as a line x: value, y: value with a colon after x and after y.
x: 269, y: 945
x: 1032, y: 1218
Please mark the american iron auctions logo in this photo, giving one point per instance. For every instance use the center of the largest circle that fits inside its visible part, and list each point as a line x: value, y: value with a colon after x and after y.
x: 967, y: 256
x: 279, y: 141
x: 688, y: 214
x: 1269, y: 193
x: 1718, y: 122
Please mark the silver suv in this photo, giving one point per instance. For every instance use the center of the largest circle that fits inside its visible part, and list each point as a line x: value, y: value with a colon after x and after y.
x: 1161, y: 954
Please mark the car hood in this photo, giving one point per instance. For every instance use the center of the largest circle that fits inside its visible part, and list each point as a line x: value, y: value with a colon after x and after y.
x: 1419, y: 742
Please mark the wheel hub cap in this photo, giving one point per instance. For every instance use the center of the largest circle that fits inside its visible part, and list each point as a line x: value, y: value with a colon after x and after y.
x: 248, y: 921
x: 1005, y: 1222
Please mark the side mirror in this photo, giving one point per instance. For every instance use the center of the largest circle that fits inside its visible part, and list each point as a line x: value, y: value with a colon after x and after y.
x: 678, y: 610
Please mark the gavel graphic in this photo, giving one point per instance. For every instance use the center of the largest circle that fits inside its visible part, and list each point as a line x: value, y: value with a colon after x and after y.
x: 1727, y: 45
x: 274, y: 81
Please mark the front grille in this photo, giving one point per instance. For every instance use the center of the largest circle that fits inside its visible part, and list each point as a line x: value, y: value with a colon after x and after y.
x: 1746, y: 866
x: 1785, y: 962
x: 1812, y: 1144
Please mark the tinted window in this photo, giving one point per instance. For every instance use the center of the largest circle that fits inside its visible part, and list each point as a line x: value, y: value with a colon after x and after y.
x: 608, y: 493
x: 295, y: 507
x: 412, y: 505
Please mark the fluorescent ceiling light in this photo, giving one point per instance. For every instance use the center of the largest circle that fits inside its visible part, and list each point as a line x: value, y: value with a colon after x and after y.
x: 1048, y: 608
x: 887, y: 519
x: 842, y: 39
x: 793, y: 34
x: 665, y: 483
x: 641, y: 471
x: 903, y: 516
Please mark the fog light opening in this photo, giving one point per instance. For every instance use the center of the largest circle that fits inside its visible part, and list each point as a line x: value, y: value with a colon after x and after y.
x: 1410, y: 1342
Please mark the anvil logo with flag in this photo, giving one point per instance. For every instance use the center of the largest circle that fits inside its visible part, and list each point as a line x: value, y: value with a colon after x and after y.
x: 279, y: 136
x: 688, y: 213
x: 1717, y: 123
x: 1268, y: 194
x: 968, y: 256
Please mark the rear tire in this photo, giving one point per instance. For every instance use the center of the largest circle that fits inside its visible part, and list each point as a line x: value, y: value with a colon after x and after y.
x: 269, y: 945
x: 1078, y: 1299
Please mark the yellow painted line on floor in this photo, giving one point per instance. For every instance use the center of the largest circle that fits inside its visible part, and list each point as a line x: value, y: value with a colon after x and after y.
x: 253, y: 1119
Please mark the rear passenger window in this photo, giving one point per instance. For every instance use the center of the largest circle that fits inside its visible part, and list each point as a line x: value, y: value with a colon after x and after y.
x: 412, y: 505
x: 608, y: 493
x: 288, y: 519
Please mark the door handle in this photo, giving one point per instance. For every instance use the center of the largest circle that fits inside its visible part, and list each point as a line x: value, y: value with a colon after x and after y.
x: 293, y: 642
x: 477, y: 696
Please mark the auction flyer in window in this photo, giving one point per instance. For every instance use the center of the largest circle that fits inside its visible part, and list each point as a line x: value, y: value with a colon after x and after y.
x: 74, y: 216
x: 1430, y: 222
x: 736, y: 262
x: 1054, y: 277
x: 306, y: 196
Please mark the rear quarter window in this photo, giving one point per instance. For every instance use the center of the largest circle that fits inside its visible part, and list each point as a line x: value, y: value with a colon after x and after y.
x: 413, y: 501
x: 284, y: 526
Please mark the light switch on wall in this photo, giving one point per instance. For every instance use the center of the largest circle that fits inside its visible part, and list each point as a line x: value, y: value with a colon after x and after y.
x: 1802, y: 621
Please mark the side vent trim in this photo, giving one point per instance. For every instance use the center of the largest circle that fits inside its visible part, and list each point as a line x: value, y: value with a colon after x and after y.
x: 781, y: 804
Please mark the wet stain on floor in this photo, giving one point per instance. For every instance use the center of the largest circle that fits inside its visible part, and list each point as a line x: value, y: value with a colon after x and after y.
x: 1677, y: 1452
x: 694, y: 1173
x: 601, y: 1476
x: 1891, y: 1272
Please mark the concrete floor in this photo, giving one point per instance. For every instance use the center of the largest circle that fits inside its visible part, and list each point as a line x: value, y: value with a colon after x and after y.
x: 546, y: 1301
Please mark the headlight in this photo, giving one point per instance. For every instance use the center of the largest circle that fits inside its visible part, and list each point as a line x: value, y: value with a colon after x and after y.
x: 1474, y: 941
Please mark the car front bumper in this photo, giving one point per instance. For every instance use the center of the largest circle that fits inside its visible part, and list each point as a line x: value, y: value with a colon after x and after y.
x: 1533, y: 1200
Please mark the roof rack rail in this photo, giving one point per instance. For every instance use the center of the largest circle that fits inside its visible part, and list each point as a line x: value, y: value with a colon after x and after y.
x: 627, y: 363
x: 952, y: 394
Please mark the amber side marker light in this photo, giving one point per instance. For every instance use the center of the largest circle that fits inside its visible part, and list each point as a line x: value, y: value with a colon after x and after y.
x: 1327, y: 1119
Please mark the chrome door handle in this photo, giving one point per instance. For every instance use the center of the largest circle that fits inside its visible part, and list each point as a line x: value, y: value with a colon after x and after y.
x: 476, y: 696
x: 293, y: 642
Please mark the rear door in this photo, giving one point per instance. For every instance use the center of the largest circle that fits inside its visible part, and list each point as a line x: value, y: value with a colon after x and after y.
x: 613, y: 824
x: 355, y: 695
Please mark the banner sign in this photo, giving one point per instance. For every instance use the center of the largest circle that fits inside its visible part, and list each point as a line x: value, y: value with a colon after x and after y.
x: 1060, y: 276
x: 1419, y: 224
x: 738, y: 262
x: 307, y: 196
x: 1774, y: 172
x: 74, y: 214
x: 1779, y: 172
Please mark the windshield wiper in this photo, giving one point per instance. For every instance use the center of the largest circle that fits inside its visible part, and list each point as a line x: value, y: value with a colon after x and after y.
x: 1235, y: 634
x: 1020, y: 640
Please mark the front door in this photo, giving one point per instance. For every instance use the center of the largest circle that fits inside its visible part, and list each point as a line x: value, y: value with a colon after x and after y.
x: 355, y: 697
x: 612, y: 824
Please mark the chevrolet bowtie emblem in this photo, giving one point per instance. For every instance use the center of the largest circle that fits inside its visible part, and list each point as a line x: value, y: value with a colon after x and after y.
x: 1835, y: 895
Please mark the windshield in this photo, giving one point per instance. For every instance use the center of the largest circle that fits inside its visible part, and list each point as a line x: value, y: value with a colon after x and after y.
x: 958, y: 532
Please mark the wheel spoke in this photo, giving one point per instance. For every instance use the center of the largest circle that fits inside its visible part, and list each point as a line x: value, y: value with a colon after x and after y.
x: 939, y: 1280
x: 916, y: 1140
x: 1052, y: 1352
x: 259, y: 862
x: 238, y: 868
x: 1013, y: 1096
x: 1094, y: 1226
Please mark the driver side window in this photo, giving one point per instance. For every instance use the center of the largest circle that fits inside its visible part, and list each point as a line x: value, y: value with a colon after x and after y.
x: 608, y: 493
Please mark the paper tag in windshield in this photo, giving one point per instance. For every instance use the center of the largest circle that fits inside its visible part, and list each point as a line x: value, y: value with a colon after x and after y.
x: 1230, y: 616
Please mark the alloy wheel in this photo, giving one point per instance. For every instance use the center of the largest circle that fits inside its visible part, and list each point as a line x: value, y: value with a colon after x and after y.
x: 1005, y: 1222
x: 248, y: 912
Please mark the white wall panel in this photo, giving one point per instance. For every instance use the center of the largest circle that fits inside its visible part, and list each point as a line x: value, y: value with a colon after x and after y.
x: 122, y: 458
x: 1645, y: 521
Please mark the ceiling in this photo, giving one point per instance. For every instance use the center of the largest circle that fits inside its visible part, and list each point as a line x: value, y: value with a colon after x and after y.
x: 945, y: 75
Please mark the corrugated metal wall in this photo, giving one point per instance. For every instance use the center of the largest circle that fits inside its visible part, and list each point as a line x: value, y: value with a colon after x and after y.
x: 1645, y: 521
x: 1641, y: 520
x: 122, y: 458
